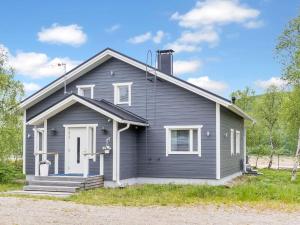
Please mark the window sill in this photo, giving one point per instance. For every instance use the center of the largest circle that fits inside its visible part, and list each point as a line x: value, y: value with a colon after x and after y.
x: 184, y: 153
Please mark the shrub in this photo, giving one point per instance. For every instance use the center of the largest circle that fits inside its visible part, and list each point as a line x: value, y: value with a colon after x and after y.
x: 10, y: 171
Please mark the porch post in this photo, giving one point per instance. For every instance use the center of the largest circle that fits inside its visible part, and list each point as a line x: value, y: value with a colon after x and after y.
x: 85, y: 166
x: 101, y: 164
x: 86, y: 157
x: 115, y: 131
x: 45, y: 150
x: 56, y: 163
x: 36, y: 155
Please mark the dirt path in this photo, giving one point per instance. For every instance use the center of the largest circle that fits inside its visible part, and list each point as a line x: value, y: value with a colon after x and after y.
x: 28, y: 211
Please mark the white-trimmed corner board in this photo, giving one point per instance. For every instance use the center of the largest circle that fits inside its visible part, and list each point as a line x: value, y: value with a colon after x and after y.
x: 191, y: 149
x: 117, y: 93
x: 218, y: 142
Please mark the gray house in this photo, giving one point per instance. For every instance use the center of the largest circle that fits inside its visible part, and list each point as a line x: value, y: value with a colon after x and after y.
x: 116, y: 121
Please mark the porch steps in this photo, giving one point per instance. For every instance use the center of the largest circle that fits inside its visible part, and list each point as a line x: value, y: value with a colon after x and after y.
x: 62, y: 184
x: 50, y: 188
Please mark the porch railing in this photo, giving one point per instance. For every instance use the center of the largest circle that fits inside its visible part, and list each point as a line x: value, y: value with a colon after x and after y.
x: 37, y: 161
x: 87, y: 157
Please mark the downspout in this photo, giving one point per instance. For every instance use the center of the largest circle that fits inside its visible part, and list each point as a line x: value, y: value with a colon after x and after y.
x: 118, y: 152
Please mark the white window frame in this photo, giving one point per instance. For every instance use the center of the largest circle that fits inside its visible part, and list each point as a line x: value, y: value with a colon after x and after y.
x: 232, y: 142
x: 237, y: 142
x: 80, y: 89
x: 185, y: 127
x: 117, y: 93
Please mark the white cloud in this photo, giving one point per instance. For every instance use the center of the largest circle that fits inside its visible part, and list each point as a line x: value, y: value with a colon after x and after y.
x: 56, y: 34
x: 182, y: 66
x: 140, y: 38
x: 182, y: 47
x: 113, y: 28
x: 158, y: 37
x: 189, y: 41
x: 203, y: 22
x: 39, y: 65
x: 216, y: 12
x: 206, y: 83
x: 31, y: 87
x: 204, y: 35
x: 273, y: 81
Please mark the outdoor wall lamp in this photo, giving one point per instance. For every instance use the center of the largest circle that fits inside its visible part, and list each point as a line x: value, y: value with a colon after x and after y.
x: 53, y: 132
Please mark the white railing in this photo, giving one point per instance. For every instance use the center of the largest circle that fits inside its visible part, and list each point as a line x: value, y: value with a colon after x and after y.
x: 37, y: 161
x: 87, y: 157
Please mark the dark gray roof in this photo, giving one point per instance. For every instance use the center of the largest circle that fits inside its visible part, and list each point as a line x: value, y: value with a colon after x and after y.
x: 116, y: 110
x: 106, y: 106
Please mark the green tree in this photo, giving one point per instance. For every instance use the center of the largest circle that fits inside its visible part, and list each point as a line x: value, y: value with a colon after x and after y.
x: 269, y: 110
x: 288, y: 51
x: 244, y: 98
x: 11, y: 92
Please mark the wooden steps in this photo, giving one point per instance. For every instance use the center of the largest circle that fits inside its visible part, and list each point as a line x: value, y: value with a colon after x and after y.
x: 63, y: 184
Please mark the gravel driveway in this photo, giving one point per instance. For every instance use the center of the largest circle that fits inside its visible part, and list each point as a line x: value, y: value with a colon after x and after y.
x: 29, y: 211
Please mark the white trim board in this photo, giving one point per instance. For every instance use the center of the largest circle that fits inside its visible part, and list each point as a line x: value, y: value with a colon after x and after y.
x: 24, y: 142
x: 70, y: 101
x: 218, y: 141
x: 109, y: 53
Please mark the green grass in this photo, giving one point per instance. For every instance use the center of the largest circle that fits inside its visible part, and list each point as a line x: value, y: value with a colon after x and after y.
x: 10, y: 186
x: 273, y: 187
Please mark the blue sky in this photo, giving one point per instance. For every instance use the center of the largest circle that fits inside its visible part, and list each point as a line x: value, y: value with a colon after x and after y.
x: 220, y: 45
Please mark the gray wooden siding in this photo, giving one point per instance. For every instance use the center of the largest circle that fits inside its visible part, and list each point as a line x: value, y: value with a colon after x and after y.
x: 174, y: 106
x: 230, y: 164
x: 128, y: 153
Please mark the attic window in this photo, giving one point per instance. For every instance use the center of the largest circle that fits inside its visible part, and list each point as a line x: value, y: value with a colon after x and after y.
x: 86, y: 90
x: 122, y: 93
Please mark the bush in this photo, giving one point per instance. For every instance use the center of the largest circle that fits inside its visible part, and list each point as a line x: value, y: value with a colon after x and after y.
x: 10, y: 171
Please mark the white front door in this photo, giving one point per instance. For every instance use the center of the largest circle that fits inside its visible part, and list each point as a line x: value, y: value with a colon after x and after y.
x: 77, y: 144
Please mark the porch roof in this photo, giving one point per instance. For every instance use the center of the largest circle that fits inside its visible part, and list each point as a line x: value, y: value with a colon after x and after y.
x: 102, y: 106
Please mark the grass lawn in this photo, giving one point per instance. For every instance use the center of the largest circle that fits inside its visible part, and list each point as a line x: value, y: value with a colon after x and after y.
x: 273, y: 187
x: 10, y: 186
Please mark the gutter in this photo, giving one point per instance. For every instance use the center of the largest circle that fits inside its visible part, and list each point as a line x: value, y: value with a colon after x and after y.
x: 118, y: 153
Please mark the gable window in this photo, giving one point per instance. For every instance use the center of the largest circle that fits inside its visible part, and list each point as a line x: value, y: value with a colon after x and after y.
x: 183, y: 140
x: 232, y: 141
x: 86, y: 90
x: 237, y: 142
x: 122, y: 93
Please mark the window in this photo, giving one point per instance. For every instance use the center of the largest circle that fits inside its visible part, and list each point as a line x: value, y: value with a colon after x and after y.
x: 86, y: 90
x: 122, y: 93
x: 238, y: 142
x: 183, y: 140
x: 232, y: 141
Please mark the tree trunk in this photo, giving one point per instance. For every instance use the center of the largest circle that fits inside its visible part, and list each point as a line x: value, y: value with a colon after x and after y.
x: 272, y: 152
x: 296, y: 161
x: 256, y: 161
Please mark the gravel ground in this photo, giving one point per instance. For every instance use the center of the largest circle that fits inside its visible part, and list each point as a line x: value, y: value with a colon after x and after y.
x: 29, y: 211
